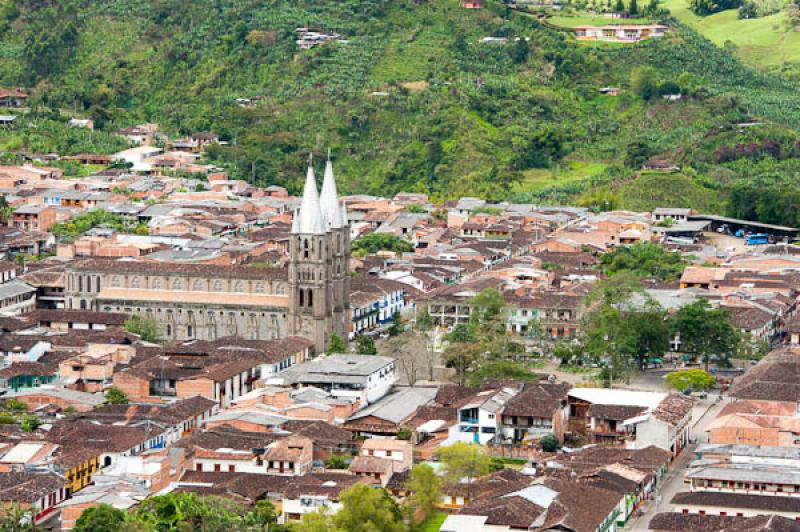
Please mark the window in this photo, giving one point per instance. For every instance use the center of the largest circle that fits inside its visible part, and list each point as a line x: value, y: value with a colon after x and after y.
x: 136, y: 282
x: 177, y: 284
x: 115, y: 281
x: 156, y: 283
x: 217, y: 468
x: 217, y: 286
x: 197, y: 286
x: 260, y: 288
x: 238, y: 287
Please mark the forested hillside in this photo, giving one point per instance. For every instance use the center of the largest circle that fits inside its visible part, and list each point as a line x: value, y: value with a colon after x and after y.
x: 412, y: 100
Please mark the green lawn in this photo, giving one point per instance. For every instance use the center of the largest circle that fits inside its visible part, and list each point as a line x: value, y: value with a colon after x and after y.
x: 434, y: 522
x: 573, y: 21
x: 761, y: 42
x: 538, y: 179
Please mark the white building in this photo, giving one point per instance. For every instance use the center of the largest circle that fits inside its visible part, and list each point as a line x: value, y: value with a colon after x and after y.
x: 365, y: 378
x: 479, y: 421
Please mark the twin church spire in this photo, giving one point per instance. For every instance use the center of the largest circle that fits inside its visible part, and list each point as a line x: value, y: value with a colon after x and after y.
x: 319, y: 213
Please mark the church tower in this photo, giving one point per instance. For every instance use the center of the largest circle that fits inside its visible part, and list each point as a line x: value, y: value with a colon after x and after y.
x: 319, y: 251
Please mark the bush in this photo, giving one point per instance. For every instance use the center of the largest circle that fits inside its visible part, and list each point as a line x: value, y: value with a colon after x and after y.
x: 549, y: 443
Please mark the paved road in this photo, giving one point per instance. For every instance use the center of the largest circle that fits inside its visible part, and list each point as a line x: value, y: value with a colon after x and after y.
x: 672, y: 483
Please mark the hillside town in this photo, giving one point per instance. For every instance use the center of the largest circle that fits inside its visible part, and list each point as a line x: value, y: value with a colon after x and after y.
x: 166, y: 329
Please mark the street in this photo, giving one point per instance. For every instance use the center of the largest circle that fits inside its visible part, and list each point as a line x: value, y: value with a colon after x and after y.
x: 702, y: 415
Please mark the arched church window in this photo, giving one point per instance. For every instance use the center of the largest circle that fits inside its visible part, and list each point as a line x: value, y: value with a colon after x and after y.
x: 177, y: 284
x: 115, y: 281
x: 197, y: 285
x: 136, y: 282
x: 238, y: 287
x: 305, y: 248
x: 217, y: 286
x: 260, y: 289
x: 156, y: 283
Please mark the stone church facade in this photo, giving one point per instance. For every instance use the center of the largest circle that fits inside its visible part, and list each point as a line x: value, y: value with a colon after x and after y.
x: 308, y: 298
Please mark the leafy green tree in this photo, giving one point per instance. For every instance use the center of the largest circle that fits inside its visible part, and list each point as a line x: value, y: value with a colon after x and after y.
x: 644, y: 259
x: 549, y: 443
x: 367, y: 509
x: 189, y: 511
x: 115, y: 396
x: 145, y: 328
x: 520, y: 51
x: 100, y: 518
x: 690, y: 379
x: 501, y: 369
x: 633, y: 8
x: 374, y: 242
x: 263, y: 516
x: 488, y: 308
x: 336, y: 344
x: 619, y: 6
x: 404, y: 433
x: 644, y: 82
x: 706, y: 332
x: 30, y: 423
x: 365, y: 345
x: 624, y: 326
x: 425, y: 487
x: 463, y: 461
x: 336, y: 461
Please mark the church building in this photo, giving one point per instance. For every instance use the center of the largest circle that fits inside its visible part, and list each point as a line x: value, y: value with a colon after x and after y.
x: 309, y: 298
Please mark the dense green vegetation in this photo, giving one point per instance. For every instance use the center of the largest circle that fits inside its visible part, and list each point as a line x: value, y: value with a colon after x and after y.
x: 643, y: 260
x: 413, y: 100
x: 78, y: 225
x: 375, y: 242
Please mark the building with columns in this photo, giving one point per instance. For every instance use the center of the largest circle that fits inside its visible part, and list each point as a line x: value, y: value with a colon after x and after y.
x: 310, y: 298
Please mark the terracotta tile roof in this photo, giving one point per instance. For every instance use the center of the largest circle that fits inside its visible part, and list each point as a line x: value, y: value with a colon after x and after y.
x: 370, y: 464
x: 766, y: 503
x: 615, y: 412
x: 27, y: 488
x: 78, y: 316
x: 144, y: 267
x: 537, y: 400
x: 775, y: 378
x: 673, y: 408
x: 680, y: 522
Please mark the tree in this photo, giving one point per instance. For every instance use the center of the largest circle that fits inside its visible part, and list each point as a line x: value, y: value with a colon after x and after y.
x: 487, y: 309
x: 549, y: 443
x: 463, y: 461
x: 706, y: 332
x: 365, y: 345
x: 336, y: 461
x: 336, y: 344
x: 189, y: 511
x: 115, y: 396
x: 520, y: 50
x: 644, y: 259
x: 30, y: 423
x: 501, y: 369
x: 313, y: 522
x: 264, y: 516
x: 633, y: 7
x: 425, y: 487
x: 101, y: 518
x: 374, y: 242
x: 367, y: 509
x: 644, y: 82
x: 398, y: 326
x: 619, y: 6
x: 145, y: 328
x: 691, y: 379
x: 463, y: 358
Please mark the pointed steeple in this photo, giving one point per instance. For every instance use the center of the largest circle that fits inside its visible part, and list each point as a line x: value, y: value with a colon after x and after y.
x: 309, y: 219
x: 329, y: 199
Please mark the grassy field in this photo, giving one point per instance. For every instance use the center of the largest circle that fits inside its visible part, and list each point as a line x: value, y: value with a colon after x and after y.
x: 568, y: 171
x: 761, y: 42
x: 573, y: 21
